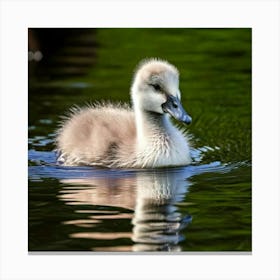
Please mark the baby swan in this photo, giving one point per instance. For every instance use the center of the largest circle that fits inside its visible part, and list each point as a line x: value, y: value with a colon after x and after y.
x: 142, y: 137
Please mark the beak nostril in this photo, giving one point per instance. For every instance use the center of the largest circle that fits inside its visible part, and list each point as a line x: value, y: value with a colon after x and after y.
x: 175, y: 105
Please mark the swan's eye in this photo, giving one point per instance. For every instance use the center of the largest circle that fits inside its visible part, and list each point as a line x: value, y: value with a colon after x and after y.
x: 156, y: 87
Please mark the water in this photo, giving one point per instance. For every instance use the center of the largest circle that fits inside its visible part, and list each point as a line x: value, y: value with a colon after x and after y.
x: 202, y: 207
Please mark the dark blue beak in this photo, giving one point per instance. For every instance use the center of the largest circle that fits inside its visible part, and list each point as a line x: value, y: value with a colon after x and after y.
x: 174, y: 107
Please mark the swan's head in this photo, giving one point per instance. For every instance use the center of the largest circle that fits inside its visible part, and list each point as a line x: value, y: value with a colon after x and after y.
x: 155, y: 89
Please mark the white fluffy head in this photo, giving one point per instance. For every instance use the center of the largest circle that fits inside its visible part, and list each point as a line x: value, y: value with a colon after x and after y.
x: 154, y: 79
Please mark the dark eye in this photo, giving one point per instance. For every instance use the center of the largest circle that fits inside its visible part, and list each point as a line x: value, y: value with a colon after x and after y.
x: 156, y: 87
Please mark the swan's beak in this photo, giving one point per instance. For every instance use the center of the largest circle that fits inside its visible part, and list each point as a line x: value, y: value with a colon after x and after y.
x: 174, y: 107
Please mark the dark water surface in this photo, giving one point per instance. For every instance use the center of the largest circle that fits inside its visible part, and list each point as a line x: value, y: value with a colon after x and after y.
x: 202, y: 207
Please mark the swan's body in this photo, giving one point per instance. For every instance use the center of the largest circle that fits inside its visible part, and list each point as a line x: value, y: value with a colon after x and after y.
x: 119, y: 136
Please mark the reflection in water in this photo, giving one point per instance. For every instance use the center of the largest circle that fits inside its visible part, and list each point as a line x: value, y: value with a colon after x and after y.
x: 152, y: 195
x: 157, y: 221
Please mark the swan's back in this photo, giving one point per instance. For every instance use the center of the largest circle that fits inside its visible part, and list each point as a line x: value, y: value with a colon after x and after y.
x: 97, y: 135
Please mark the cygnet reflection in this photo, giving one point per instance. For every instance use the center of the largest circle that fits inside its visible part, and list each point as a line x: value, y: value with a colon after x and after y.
x: 157, y: 220
x: 151, y: 194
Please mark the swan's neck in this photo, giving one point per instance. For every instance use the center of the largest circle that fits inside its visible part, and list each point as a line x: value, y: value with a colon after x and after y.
x: 158, y: 142
x: 151, y: 127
